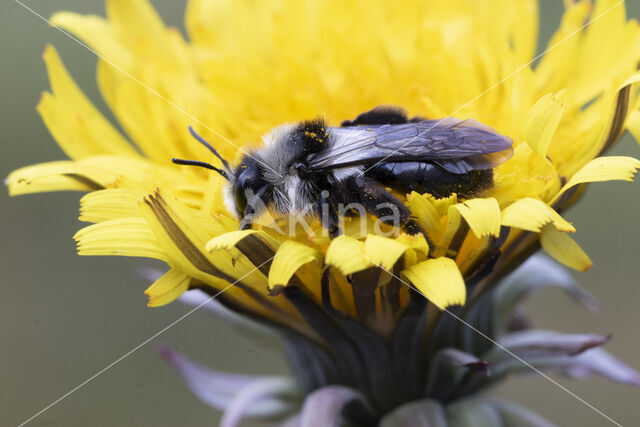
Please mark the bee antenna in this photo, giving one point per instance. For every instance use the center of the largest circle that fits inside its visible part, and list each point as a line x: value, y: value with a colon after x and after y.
x: 200, y: 164
x: 209, y: 146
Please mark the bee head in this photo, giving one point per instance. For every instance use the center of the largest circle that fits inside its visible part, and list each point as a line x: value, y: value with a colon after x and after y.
x: 247, y: 188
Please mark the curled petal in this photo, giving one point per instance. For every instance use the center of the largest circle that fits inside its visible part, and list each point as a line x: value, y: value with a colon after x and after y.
x: 167, y: 288
x: 603, y: 169
x: 262, y: 397
x: 541, y: 123
x: 231, y: 239
x: 290, y: 256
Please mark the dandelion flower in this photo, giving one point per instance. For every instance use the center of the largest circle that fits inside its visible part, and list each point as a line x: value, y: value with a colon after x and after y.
x: 361, y: 314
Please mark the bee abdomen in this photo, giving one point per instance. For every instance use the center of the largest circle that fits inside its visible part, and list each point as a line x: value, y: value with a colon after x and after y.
x: 426, y: 177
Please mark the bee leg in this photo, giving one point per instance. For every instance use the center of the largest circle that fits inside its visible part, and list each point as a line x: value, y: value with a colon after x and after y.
x: 328, y: 214
x: 384, y: 205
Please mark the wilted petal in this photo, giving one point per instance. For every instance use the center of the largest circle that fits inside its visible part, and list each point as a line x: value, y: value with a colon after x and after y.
x: 262, y: 397
x: 536, y: 273
x: 548, y: 350
x: 243, y: 395
x: 328, y: 406
x: 424, y: 413
x: 537, y: 342
x: 599, y: 362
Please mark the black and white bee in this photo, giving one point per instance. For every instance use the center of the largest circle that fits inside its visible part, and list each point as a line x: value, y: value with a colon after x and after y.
x: 310, y: 168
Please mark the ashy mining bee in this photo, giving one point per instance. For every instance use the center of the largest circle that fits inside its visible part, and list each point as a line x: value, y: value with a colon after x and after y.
x: 311, y: 168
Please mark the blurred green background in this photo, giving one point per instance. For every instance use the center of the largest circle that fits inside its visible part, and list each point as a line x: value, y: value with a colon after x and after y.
x: 63, y: 318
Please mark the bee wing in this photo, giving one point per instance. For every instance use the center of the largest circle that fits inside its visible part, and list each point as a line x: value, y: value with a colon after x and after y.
x: 459, y: 146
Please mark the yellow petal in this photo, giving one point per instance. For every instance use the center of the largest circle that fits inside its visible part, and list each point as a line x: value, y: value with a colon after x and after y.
x: 541, y: 123
x: 177, y: 231
x: 183, y: 240
x: 417, y: 242
x: 532, y: 214
x: 135, y: 19
x: 52, y: 176
x: 525, y: 29
x: 231, y: 239
x: 442, y: 204
x: 564, y: 249
x: 426, y: 214
x: 167, y: 288
x: 290, y: 256
x: 109, y: 204
x: 633, y: 125
x: 482, y: 215
x: 78, y: 127
x: 382, y: 251
x: 603, y: 169
x: 123, y: 237
x: 97, y: 33
x: 556, y: 66
x: 345, y: 253
x: 439, y: 280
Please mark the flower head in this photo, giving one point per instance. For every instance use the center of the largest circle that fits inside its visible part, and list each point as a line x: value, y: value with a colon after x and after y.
x: 359, y: 303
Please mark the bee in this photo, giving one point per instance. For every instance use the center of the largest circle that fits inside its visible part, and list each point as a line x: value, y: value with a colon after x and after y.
x: 310, y: 168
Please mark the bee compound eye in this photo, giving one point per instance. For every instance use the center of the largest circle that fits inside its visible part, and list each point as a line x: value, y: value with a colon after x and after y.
x: 241, y: 199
